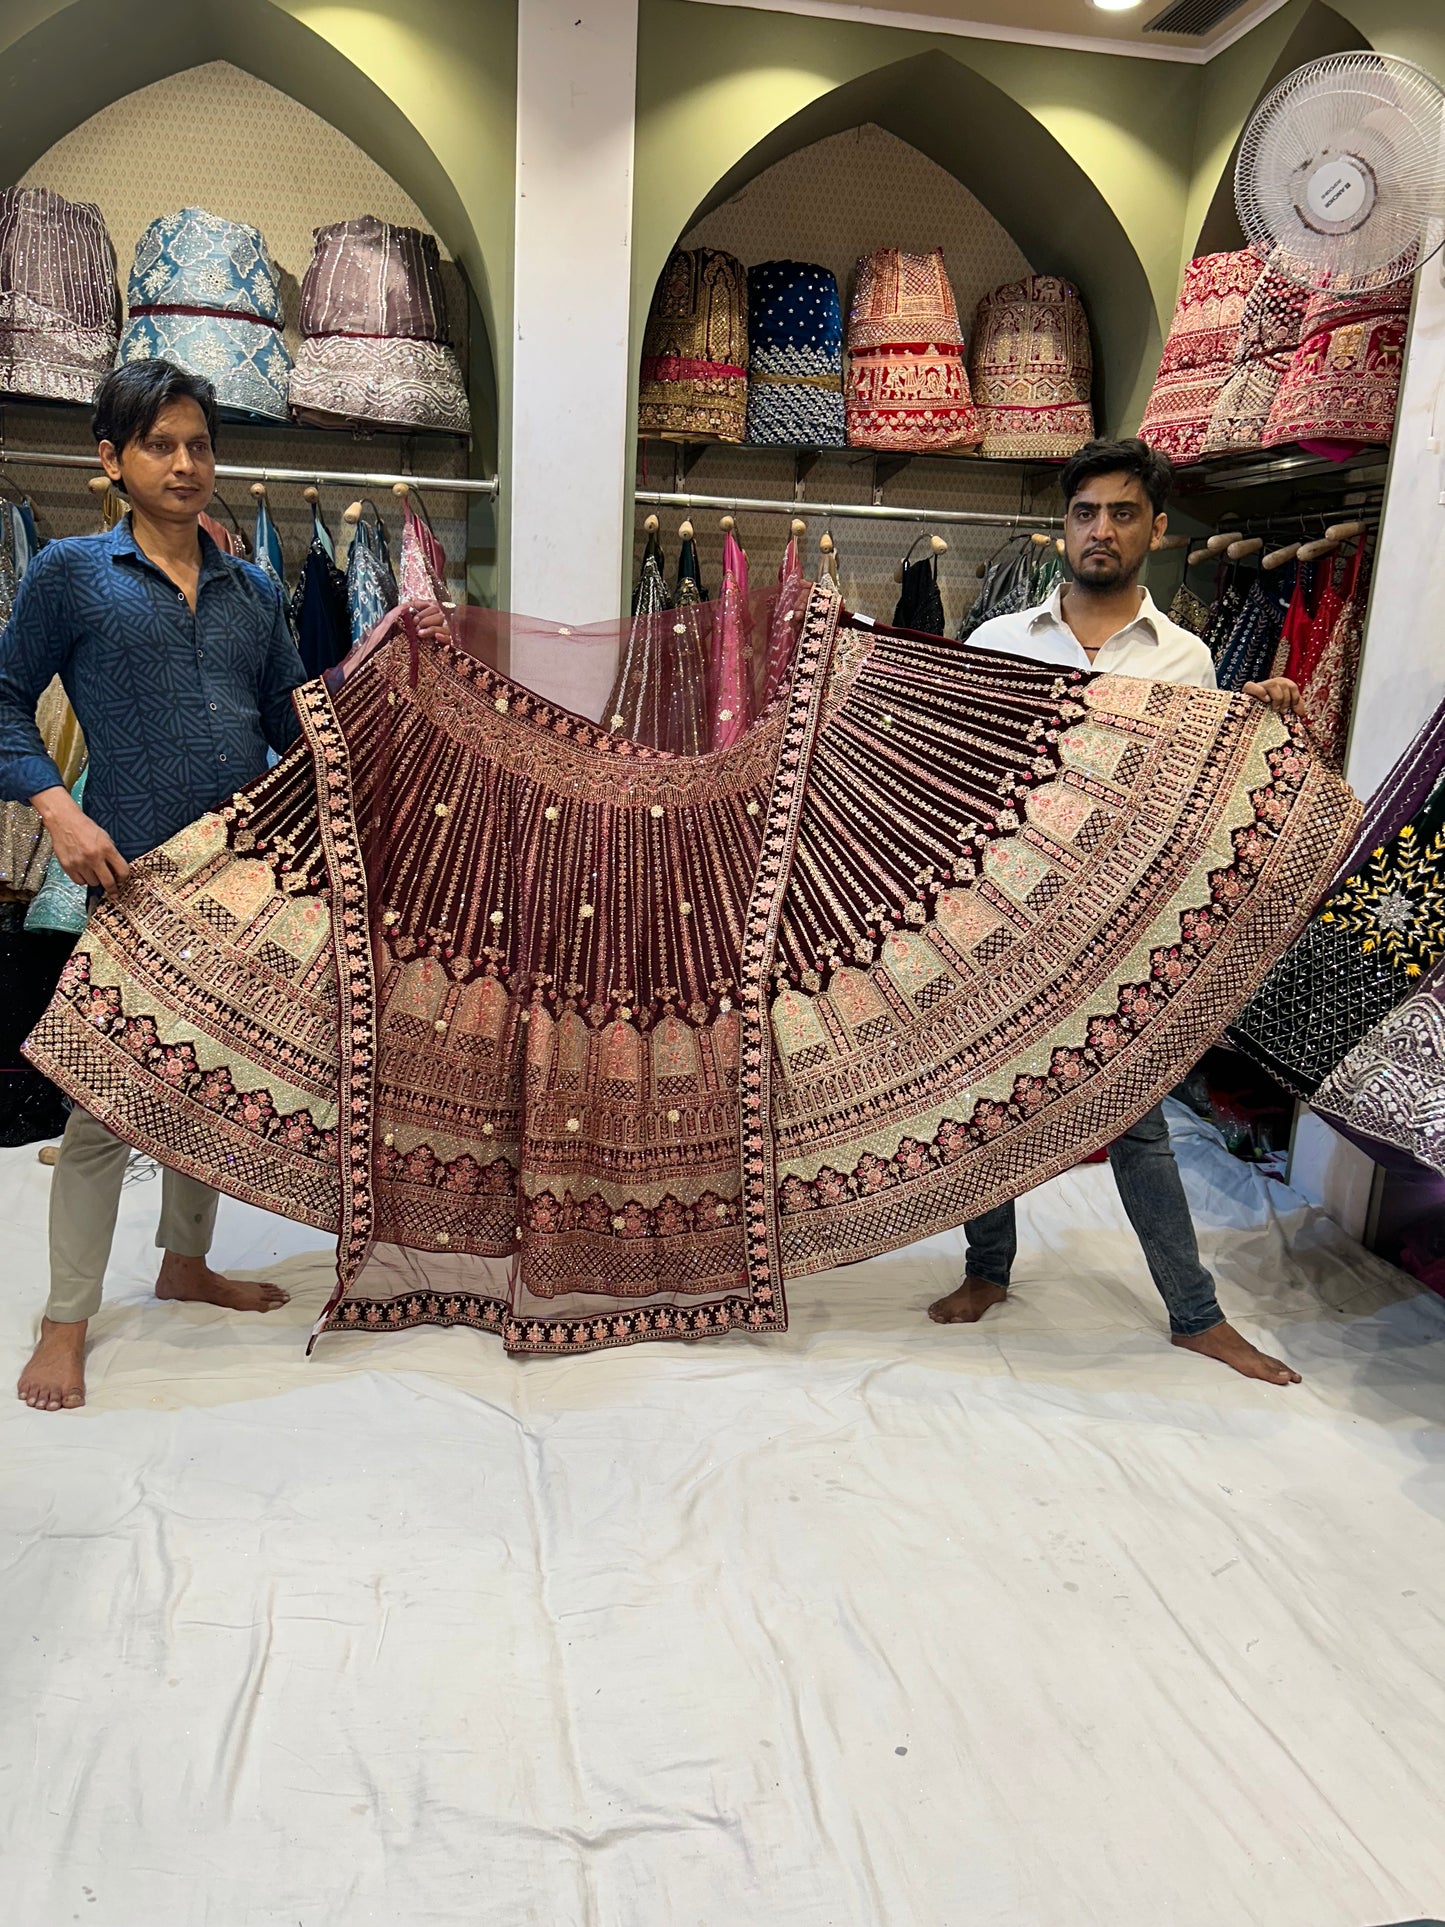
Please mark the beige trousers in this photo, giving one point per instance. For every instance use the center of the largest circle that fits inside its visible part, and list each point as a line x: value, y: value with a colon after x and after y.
x: 84, y: 1200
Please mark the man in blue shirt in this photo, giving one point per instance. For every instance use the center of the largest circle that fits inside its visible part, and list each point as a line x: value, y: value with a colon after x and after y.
x: 179, y: 664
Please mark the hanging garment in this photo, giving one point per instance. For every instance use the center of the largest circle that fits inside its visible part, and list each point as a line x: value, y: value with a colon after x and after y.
x: 730, y: 681
x: 1269, y: 332
x: 1188, y: 611
x: 376, y: 346
x: 689, y: 574
x: 59, y: 307
x: 1007, y: 589
x: 920, y: 605
x: 318, y: 606
x: 266, y: 545
x: 60, y: 905
x: 24, y: 841
x: 907, y: 387
x: 1225, y: 610
x: 1327, y: 698
x: 1249, y: 653
x: 585, y: 1044
x: 782, y: 628
x: 1031, y: 369
x: 205, y: 294
x: 1199, y: 355
x: 31, y: 1107
x: 688, y: 711
x: 642, y: 696
x: 795, y: 356
x: 1343, y: 380
x: 370, y: 585
x: 1388, y: 1094
x: 421, y: 574
x: 1377, y: 935
x: 23, y: 537
x: 651, y: 591
x: 695, y: 349
x: 226, y: 539
x: 1309, y: 638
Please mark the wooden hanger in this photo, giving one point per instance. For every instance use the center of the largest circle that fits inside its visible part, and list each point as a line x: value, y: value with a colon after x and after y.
x: 1312, y: 551
x: 1246, y: 545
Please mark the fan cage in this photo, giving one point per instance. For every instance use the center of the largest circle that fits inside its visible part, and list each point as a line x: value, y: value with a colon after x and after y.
x: 1388, y: 117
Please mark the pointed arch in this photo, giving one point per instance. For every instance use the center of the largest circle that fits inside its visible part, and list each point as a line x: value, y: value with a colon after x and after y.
x: 75, y: 57
x: 1026, y: 178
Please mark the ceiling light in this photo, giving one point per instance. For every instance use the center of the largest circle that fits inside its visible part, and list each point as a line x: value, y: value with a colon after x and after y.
x: 1116, y: 6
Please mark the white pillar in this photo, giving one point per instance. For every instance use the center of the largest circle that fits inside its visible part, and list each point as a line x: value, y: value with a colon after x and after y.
x: 1402, y: 670
x: 576, y: 99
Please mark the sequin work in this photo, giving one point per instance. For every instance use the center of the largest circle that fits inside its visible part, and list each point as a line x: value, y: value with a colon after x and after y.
x: 608, y: 1042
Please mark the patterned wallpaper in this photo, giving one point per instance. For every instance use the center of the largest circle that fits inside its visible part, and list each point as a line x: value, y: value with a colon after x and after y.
x: 216, y: 137
x: 833, y: 202
x: 860, y: 190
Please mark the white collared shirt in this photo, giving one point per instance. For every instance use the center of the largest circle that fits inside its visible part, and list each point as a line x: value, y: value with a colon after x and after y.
x: 1151, y: 645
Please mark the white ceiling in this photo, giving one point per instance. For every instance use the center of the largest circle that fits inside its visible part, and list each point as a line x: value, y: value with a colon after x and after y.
x: 1073, y: 23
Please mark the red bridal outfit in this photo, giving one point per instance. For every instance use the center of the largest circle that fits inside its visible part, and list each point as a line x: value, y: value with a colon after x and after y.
x: 578, y: 1040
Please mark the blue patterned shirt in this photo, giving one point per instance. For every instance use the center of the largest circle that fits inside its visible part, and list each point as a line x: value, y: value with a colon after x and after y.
x: 177, y: 709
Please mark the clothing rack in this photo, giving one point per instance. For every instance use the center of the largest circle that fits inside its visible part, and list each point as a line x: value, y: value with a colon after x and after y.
x: 859, y: 511
x: 307, y: 477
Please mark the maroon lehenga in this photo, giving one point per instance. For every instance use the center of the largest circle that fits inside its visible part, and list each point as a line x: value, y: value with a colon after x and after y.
x: 585, y: 1042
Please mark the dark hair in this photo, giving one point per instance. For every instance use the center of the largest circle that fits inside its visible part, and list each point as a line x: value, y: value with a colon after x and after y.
x: 131, y: 396
x: 1150, y: 467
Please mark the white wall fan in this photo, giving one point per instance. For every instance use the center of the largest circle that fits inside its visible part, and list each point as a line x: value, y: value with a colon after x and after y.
x: 1340, y: 181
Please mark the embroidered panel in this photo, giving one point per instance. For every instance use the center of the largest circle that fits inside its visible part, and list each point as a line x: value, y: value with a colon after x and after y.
x: 1389, y: 1093
x: 587, y: 1043
x: 1374, y: 940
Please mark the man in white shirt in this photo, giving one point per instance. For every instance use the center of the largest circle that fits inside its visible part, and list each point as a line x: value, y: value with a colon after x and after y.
x: 1114, y: 495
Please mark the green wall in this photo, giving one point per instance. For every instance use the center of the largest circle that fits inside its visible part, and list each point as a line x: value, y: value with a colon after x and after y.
x: 1113, y: 171
x: 1087, y: 158
x: 426, y: 87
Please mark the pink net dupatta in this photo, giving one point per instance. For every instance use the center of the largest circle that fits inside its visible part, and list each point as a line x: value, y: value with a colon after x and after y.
x: 421, y: 574
x: 574, y: 1039
x: 731, y: 690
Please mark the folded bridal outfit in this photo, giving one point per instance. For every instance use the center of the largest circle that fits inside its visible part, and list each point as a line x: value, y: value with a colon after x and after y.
x: 59, y: 310
x: 205, y: 294
x: 376, y: 352
x: 1199, y: 356
x: 1031, y: 369
x: 695, y: 349
x: 580, y: 1041
x: 907, y: 384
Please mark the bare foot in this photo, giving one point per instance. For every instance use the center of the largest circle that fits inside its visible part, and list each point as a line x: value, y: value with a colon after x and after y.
x: 54, y: 1380
x: 1233, y: 1349
x: 192, y: 1281
x: 967, y: 1304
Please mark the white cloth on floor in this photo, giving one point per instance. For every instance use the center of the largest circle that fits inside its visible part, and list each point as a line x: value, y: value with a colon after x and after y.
x: 1040, y: 1621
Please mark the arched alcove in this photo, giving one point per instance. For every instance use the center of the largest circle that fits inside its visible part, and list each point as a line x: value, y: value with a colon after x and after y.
x: 1028, y: 181
x: 379, y: 82
x: 272, y: 163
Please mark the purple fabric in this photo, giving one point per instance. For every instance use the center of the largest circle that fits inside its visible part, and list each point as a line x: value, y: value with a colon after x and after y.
x: 1401, y: 794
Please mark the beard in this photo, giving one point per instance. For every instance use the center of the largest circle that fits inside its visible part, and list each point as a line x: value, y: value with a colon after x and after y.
x: 1102, y: 571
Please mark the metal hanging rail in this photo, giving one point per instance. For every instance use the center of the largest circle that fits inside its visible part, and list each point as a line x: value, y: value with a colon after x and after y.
x: 244, y: 472
x: 860, y: 511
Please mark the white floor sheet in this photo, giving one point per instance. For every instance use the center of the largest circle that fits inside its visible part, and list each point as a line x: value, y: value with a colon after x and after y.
x: 1038, y: 1624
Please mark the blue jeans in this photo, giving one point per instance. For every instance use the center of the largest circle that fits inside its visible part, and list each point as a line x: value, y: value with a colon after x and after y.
x: 1153, y: 1196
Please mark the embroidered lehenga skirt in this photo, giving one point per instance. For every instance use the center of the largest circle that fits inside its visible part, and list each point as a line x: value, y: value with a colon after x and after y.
x: 584, y: 1042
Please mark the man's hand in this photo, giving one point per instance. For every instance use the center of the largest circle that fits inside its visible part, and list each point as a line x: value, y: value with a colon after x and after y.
x: 1279, y: 692
x: 431, y: 620
x: 82, y: 848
